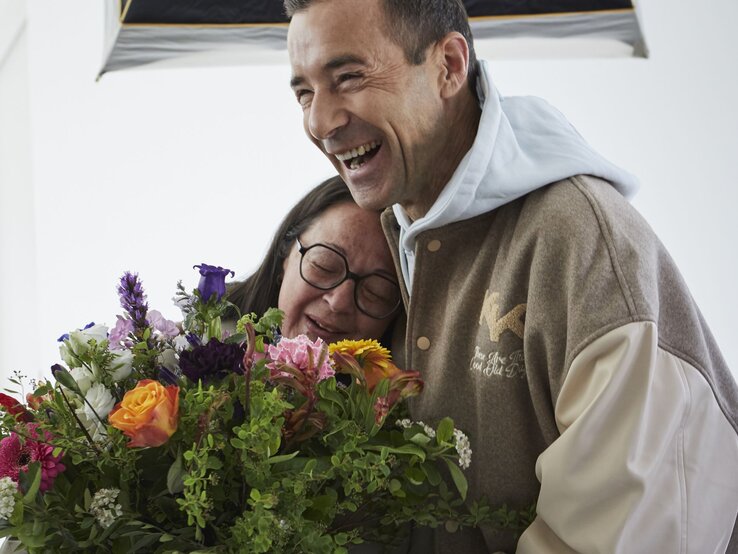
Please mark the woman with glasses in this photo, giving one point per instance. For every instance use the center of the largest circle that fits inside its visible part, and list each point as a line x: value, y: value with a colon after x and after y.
x: 328, y: 268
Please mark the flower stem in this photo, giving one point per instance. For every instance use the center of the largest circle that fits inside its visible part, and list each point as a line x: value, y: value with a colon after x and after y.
x: 81, y: 425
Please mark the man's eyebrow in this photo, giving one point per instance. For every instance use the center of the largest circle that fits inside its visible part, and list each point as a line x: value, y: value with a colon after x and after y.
x: 340, y: 61
x: 333, y: 63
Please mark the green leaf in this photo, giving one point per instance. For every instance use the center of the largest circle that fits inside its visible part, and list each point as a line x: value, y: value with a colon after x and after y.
x: 431, y: 472
x: 404, y: 449
x: 445, y: 430
x: 214, y: 463
x: 33, y: 477
x: 238, y: 338
x: 420, y: 438
x: 16, y: 519
x: 415, y: 475
x: 175, y: 483
x: 458, y: 478
x: 283, y: 457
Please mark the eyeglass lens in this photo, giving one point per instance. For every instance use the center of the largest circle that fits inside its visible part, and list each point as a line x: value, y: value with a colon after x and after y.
x: 324, y: 268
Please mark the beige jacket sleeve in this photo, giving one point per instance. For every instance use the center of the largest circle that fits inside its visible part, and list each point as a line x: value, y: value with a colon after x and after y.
x: 646, y: 462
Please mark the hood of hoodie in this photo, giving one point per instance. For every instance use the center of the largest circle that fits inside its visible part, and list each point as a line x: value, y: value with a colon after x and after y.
x: 522, y: 144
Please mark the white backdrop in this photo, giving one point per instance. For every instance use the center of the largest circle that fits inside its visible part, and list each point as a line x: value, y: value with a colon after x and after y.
x: 157, y: 170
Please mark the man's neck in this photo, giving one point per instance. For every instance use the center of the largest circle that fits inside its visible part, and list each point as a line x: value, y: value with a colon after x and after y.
x: 462, y: 130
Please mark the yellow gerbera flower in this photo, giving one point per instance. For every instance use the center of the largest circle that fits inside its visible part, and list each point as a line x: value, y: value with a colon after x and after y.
x: 374, y: 361
x: 364, y: 350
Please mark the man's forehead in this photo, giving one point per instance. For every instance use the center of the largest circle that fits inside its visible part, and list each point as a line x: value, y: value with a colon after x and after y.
x: 333, y: 28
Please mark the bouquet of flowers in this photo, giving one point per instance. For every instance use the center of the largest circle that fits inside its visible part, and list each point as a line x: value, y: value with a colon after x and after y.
x: 156, y: 436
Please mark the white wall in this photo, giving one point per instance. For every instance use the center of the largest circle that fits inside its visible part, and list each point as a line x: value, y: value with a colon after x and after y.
x: 158, y: 170
x: 18, y: 283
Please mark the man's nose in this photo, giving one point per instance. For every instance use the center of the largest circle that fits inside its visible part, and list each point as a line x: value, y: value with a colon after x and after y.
x: 325, y: 116
x: 341, y: 298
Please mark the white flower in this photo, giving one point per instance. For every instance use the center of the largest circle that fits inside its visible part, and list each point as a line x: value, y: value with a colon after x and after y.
x: 79, y: 339
x: 8, y: 488
x: 404, y: 423
x: 84, y: 378
x: 97, y: 429
x: 463, y: 448
x: 104, y: 508
x: 168, y: 358
x: 67, y: 355
x: 181, y: 343
x: 122, y: 365
x: 99, y: 399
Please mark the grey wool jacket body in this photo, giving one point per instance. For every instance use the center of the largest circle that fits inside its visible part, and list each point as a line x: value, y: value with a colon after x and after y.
x: 558, y: 334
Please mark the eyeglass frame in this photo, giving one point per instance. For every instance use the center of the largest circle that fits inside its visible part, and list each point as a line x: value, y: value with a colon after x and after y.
x: 355, y: 277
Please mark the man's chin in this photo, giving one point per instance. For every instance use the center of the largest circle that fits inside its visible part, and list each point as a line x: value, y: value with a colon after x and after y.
x: 368, y: 196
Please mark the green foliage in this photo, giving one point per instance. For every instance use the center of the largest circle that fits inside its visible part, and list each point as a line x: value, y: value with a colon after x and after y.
x: 256, y: 464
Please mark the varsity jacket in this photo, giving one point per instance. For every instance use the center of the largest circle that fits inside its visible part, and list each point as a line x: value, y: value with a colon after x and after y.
x: 558, y: 334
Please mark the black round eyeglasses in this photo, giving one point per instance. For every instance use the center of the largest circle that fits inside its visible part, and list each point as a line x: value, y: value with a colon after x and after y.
x: 325, y: 268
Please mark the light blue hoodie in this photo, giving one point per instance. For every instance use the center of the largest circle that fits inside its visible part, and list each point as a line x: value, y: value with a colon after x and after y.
x: 522, y: 144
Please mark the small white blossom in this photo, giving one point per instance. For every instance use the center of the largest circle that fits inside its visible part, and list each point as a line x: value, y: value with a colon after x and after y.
x: 463, y: 447
x: 404, y: 423
x: 104, y: 508
x: 8, y: 488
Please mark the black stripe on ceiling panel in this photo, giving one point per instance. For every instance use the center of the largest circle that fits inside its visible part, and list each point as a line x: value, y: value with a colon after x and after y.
x: 216, y: 12
x: 205, y: 11
x: 481, y: 8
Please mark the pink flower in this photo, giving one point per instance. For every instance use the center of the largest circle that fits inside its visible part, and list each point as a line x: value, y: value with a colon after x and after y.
x: 160, y: 323
x: 297, y: 353
x: 381, y: 409
x: 15, y: 457
x: 118, y: 337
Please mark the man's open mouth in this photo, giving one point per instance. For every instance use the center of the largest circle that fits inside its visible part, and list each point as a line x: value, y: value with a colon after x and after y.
x: 356, y: 157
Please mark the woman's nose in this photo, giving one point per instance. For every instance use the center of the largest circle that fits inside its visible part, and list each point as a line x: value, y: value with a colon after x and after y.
x: 341, y: 298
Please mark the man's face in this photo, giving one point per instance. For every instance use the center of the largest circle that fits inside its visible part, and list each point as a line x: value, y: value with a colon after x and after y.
x: 374, y: 115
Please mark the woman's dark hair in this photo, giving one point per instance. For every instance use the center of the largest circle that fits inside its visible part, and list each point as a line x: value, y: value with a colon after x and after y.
x: 261, y: 290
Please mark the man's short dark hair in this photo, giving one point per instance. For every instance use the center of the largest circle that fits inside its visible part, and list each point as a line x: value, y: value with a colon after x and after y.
x: 414, y: 25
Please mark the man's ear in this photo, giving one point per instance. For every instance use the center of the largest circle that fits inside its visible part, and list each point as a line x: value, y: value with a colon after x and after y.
x: 454, y: 53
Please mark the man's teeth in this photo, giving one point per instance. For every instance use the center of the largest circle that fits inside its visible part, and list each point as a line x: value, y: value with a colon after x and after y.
x: 356, y: 152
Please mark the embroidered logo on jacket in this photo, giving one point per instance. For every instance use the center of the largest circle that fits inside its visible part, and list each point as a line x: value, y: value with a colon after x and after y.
x: 512, y: 321
x: 511, y: 363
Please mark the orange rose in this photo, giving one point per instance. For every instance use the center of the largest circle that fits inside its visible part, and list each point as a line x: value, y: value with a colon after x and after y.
x: 148, y: 414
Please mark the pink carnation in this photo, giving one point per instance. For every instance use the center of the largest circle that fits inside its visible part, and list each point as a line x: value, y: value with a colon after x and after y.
x: 294, y: 352
x: 15, y: 457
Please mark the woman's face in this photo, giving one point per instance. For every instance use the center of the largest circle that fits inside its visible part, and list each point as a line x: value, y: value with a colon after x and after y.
x: 332, y: 314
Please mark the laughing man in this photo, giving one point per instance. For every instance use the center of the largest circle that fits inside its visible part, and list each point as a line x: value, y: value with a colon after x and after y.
x: 548, y: 320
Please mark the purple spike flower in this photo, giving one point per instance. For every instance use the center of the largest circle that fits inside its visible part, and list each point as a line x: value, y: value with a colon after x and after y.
x: 133, y: 299
x: 212, y: 281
